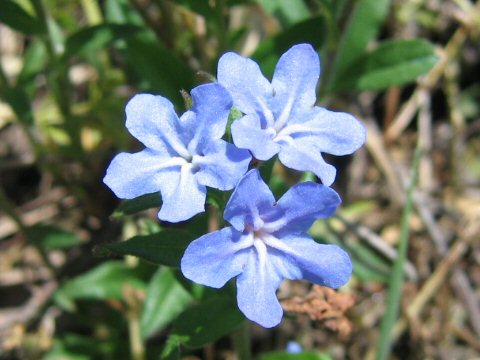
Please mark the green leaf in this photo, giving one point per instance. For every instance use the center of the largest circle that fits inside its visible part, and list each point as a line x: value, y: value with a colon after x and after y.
x: 50, y: 237
x: 18, y: 99
x: 166, y: 299
x: 141, y: 203
x: 362, y: 27
x: 368, y: 274
x: 310, y: 31
x: 158, y: 68
x: 95, y: 38
x: 172, y: 350
x: 218, y: 198
x: 394, y: 62
x: 164, y: 248
x: 35, y: 60
x: 305, y: 355
x: 14, y: 16
x: 200, y: 7
x: 207, y: 321
x: 106, y: 281
x: 287, y: 11
x: 121, y: 12
x: 56, y: 37
x: 77, y: 347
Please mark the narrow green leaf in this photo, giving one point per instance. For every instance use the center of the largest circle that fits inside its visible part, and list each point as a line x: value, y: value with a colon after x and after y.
x: 366, y: 273
x: 394, y: 62
x: 203, y: 8
x: 396, y: 278
x: 106, y: 281
x: 50, y: 237
x: 362, y: 27
x: 171, y: 350
x: 163, y: 248
x: 14, y: 16
x: 207, y: 321
x: 95, y: 38
x: 35, y: 60
x: 141, y: 203
x: 166, y: 299
x: 56, y: 36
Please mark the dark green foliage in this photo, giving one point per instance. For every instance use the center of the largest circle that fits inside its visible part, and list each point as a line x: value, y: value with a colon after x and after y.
x: 163, y: 248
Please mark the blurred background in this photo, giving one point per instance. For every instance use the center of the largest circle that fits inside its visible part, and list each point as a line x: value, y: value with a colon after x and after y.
x: 408, y: 69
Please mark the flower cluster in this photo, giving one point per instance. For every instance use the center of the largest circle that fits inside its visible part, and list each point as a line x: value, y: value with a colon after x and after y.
x: 267, y: 240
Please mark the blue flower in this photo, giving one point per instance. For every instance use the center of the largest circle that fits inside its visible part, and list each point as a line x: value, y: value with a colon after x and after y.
x: 182, y: 155
x: 293, y: 347
x: 281, y: 116
x: 267, y: 243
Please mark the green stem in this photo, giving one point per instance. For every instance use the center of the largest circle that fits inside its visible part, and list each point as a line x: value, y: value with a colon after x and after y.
x: 136, y: 343
x: 92, y: 11
x: 396, y: 279
x: 241, y: 341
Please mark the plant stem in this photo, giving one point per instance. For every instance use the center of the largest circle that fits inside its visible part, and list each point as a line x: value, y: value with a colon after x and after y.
x: 137, y: 347
x: 396, y: 279
x: 136, y: 343
x: 92, y: 11
x: 241, y: 341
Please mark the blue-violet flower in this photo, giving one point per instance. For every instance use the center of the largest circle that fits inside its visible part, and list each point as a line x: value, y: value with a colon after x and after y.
x: 267, y: 243
x: 182, y: 155
x: 281, y: 117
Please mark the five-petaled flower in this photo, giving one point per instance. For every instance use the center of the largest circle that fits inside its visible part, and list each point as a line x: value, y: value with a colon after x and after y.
x: 281, y: 117
x: 182, y: 155
x: 267, y: 243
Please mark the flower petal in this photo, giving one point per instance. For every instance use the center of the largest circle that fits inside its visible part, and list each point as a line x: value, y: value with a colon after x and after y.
x: 304, y: 156
x: 300, y: 206
x: 215, y: 258
x: 222, y: 165
x: 132, y: 175
x: 250, y: 90
x: 303, y: 258
x: 153, y: 121
x: 295, y: 81
x: 250, y: 198
x: 182, y: 195
x: 331, y: 132
x: 256, y: 288
x: 247, y: 133
x: 211, y: 105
